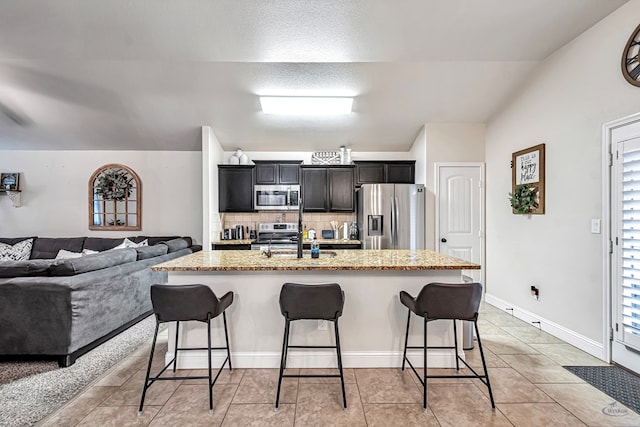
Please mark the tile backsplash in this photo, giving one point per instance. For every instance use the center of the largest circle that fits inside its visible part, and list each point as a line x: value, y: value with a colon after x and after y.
x: 316, y: 221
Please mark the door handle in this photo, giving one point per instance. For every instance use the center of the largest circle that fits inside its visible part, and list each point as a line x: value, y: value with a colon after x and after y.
x: 443, y: 240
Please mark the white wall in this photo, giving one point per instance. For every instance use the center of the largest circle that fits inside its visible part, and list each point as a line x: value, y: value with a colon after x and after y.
x: 418, y: 151
x: 55, y: 192
x: 570, y: 96
x: 305, y: 156
x: 448, y: 142
x: 212, y: 155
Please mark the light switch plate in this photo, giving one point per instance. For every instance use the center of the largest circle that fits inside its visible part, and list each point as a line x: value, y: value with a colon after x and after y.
x: 595, y: 226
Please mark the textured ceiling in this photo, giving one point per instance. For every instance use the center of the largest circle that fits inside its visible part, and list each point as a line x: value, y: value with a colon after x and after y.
x: 146, y: 74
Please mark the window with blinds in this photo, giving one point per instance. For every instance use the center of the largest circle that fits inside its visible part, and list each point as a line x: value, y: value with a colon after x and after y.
x: 628, y: 244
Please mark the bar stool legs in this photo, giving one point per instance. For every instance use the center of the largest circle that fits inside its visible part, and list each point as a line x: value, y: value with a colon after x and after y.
x: 300, y: 301
x: 344, y: 394
x: 445, y: 301
x: 187, y: 303
x: 283, y: 362
x: 423, y: 379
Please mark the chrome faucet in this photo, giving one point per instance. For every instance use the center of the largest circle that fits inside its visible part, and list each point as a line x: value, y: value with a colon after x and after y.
x: 300, y: 208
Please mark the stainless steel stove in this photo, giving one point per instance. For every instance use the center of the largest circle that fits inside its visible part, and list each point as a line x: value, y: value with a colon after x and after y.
x: 280, y: 235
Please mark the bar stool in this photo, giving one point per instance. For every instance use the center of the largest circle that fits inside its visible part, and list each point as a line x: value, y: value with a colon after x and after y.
x: 310, y: 302
x: 176, y: 303
x: 446, y: 301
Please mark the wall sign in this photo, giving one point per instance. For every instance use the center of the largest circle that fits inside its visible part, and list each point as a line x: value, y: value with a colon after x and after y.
x: 527, y: 168
x: 9, y: 181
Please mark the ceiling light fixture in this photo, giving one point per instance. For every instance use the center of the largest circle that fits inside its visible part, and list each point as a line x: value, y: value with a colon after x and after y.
x: 306, y: 105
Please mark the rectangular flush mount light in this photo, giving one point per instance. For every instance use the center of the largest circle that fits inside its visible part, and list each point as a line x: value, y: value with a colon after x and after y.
x: 306, y: 105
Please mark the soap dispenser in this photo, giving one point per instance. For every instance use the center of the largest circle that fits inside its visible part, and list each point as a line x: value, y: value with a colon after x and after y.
x: 315, y: 248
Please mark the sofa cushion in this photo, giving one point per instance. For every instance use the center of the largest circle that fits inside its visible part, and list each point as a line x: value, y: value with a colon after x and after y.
x: 146, y: 252
x: 48, y: 247
x: 101, y: 243
x: 176, y: 244
x: 31, y: 267
x: 17, y: 252
x: 70, y: 267
x: 14, y: 240
x: 154, y: 240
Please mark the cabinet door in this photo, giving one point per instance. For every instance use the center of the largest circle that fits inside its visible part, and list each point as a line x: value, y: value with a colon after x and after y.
x: 266, y: 173
x: 401, y: 173
x: 314, y: 189
x: 289, y: 173
x: 370, y: 173
x: 341, y: 189
x: 235, y: 189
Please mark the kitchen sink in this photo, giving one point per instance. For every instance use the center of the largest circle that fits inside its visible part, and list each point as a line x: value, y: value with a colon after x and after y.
x: 305, y: 254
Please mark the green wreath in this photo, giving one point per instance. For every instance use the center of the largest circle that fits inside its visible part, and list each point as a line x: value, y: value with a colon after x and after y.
x: 113, y: 184
x: 524, y: 199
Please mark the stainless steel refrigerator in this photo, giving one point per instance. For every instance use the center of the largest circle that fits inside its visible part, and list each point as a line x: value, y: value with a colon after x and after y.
x: 391, y: 216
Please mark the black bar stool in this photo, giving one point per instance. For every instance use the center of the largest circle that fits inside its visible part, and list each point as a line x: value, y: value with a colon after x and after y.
x: 315, y: 302
x: 446, y: 301
x: 181, y: 303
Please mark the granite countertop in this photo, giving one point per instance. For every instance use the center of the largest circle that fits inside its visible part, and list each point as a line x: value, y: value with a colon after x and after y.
x: 306, y: 242
x: 387, y: 259
x: 233, y: 242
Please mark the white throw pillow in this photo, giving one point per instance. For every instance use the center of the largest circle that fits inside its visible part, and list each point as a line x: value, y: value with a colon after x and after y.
x: 126, y: 243
x: 21, y: 251
x: 64, y: 254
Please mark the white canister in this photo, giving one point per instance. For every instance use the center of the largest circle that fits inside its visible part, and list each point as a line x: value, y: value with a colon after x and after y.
x: 345, y: 231
x: 312, y: 233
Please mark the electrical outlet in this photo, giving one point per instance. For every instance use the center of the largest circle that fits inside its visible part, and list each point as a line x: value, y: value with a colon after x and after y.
x: 322, y: 325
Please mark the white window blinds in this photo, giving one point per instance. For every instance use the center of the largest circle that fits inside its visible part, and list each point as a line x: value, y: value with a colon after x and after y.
x: 628, y: 244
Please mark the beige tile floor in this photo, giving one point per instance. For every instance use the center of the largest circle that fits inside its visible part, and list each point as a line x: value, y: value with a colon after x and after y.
x: 525, y: 366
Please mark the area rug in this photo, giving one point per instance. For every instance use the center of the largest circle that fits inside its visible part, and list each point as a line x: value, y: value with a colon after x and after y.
x: 42, y: 387
x: 621, y: 385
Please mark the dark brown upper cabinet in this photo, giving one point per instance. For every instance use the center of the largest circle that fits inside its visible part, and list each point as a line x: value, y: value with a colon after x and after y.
x: 328, y: 188
x: 381, y: 172
x: 235, y: 188
x: 284, y: 172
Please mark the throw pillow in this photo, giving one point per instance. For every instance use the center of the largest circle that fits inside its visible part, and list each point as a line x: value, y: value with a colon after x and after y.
x: 64, y: 254
x: 21, y: 251
x: 126, y: 243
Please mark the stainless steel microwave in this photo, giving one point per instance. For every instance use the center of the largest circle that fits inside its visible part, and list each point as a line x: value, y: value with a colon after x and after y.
x: 276, y: 197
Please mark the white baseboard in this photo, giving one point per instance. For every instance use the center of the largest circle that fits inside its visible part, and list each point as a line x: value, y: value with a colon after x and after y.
x: 197, y: 359
x: 583, y: 343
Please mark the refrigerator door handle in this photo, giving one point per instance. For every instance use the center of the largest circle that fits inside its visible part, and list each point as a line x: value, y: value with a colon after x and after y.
x: 396, y: 216
x: 393, y: 221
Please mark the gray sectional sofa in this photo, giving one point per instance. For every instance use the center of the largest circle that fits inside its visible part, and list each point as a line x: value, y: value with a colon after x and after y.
x: 64, y: 308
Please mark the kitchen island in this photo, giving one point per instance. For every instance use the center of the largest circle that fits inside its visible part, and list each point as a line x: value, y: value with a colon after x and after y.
x: 373, y: 321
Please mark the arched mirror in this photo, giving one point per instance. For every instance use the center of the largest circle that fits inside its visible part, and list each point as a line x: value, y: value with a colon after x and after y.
x: 115, y: 199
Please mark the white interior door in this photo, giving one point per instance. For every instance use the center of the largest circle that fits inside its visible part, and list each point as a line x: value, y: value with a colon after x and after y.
x: 459, y: 213
x: 625, y: 191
